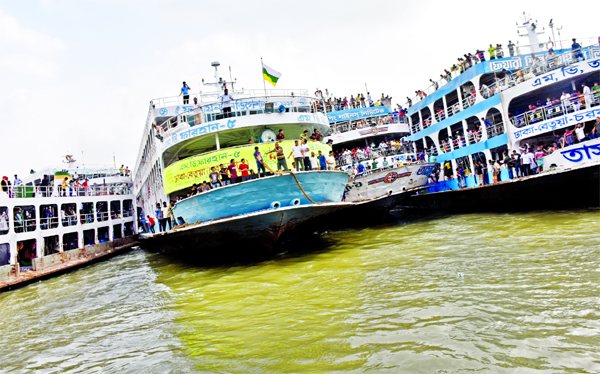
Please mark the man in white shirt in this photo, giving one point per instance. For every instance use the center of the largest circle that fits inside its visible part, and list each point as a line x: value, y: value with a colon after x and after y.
x: 564, y: 99
x: 579, y: 131
x: 314, y: 162
x: 306, y: 153
x: 298, y: 156
x: 17, y: 182
x: 226, y: 103
x: 330, y: 161
x: 587, y: 96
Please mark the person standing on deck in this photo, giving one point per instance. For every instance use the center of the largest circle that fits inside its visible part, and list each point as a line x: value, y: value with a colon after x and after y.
x: 281, y: 163
x: 298, y: 156
x: 259, y: 162
x: 185, y: 91
x: 492, y: 52
x: 226, y: 103
x: 511, y: 48
x: 306, y: 154
x: 587, y: 96
x: 243, y: 166
x: 158, y: 213
x: 232, y: 169
x: 166, y: 212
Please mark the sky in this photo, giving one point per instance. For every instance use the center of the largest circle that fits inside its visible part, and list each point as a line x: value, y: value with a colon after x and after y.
x: 76, y: 76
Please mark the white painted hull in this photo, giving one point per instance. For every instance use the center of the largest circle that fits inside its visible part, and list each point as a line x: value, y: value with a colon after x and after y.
x: 386, y: 182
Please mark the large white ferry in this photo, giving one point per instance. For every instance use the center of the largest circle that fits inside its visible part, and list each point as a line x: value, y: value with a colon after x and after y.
x: 485, y: 112
x: 44, y: 224
x: 183, y: 142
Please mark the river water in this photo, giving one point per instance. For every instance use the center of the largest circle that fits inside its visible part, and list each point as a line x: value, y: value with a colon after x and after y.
x: 514, y: 293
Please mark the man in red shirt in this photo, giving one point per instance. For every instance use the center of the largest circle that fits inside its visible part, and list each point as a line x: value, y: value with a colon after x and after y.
x: 243, y: 167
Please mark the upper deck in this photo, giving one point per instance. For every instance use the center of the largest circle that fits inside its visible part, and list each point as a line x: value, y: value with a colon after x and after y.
x: 475, y: 91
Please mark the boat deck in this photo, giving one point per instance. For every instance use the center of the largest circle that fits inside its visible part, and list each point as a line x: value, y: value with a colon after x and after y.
x: 53, y: 265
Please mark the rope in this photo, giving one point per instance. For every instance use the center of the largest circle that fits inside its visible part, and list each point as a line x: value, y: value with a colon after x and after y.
x: 297, y: 181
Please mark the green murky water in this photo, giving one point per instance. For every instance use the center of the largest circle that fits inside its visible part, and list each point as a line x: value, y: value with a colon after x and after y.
x: 471, y: 293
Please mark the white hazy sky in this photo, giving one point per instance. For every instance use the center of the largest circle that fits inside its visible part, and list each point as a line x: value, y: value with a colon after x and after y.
x: 77, y: 75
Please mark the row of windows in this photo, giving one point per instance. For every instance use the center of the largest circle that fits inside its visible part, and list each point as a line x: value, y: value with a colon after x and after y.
x: 24, y: 217
x: 27, y: 249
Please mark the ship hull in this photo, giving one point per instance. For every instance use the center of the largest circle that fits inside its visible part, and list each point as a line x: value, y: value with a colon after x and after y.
x: 576, y: 188
x: 246, y: 237
x: 387, y: 182
x: 264, y: 193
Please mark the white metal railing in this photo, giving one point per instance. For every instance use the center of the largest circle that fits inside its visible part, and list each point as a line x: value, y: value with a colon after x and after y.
x: 127, y: 213
x: 68, y: 219
x: 24, y: 225
x: 495, y: 130
x: 556, y: 109
x: 545, y: 64
x: 207, y: 113
x: 362, y: 155
x: 86, y: 218
x: 47, y: 223
x: 102, y: 216
x: 214, y: 96
x: 59, y: 191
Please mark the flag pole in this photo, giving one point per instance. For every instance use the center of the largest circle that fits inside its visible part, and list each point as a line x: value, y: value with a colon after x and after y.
x: 261, y: 69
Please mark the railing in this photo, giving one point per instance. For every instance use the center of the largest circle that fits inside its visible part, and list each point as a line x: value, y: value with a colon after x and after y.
x: 102, y: 216
x: 473, y: 137
x: 495, y: 130
x: 86, y: 218
x: 440, y: 115
x: 344, y: 160
x: 216, y: 95
x: 25, y: 225
x: 69, y: 220
x: 127, y: 213
x: 342, y: 127
x: 212, y: 112
x: 39, y: 191
x: 557, y: 109
x: 47, y: 223
x: 542, y: 66
x: 469, y: 101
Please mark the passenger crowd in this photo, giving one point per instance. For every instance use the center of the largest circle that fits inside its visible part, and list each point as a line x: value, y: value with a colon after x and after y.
x: 529, y: 160
x: 567, y: 103
x: 468, y: 60
x: 385, y: 148
x: 337, y: 103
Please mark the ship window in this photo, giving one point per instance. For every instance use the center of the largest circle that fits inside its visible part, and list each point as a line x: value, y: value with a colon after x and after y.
x: 26, y: 252
x: 115, y: 209
x: 51, y: 245
x: 102, y: 209
x: 89, y: 237
x: 70, y: 241
x: 117, y: 232
x: 68, y: 214
x: 24, y: 217
x: 127, y: 208
x: 4, y: 220
x: 4, y: 254
x: 103, y: 234
x: 129, y: 228
x: 48, y: 216
x: 87, y: 213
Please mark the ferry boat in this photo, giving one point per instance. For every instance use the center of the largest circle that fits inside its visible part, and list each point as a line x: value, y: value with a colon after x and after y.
x: 487, y: 111
x: 182, y: 142
x: 369, y: 144
x: 45, y: 226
